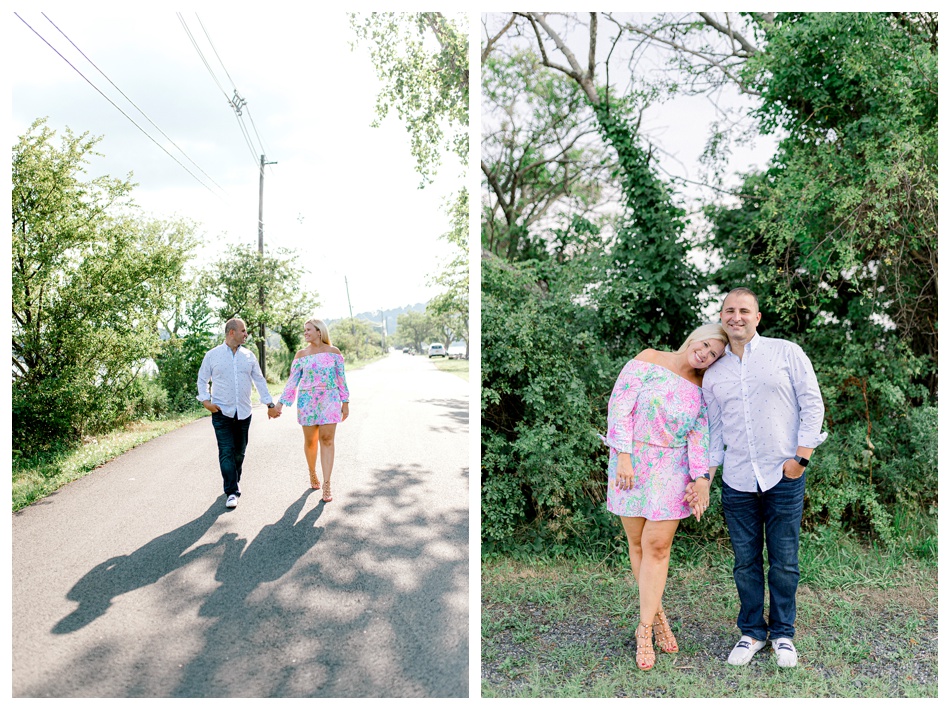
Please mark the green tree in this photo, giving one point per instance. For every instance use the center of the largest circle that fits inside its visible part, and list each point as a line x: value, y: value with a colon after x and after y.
x: 416, y: 329
x: 422, y: 62
x: 242, y: 276
x: 542, y: 160
x: 357, y: 339
x: 190, y: 329
x: 90, y: 278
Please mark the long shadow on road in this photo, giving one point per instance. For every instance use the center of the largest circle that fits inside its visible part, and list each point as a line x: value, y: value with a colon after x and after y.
x: 380, y: 612
x: 392, y: 617
x: 125, y: 573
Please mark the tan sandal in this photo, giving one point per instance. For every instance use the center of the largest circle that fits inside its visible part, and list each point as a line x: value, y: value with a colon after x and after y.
x: 646, y: 656
x: 327, y: 495
x: 314, y: 481
x: 665, y: 639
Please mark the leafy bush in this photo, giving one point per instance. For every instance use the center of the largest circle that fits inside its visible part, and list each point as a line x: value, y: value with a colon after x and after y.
x: 545, y: 384
x: 182, y: 352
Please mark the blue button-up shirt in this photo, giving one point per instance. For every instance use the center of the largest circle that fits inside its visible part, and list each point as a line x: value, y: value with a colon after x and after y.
x: 761, y: 409
x: 231, y: 373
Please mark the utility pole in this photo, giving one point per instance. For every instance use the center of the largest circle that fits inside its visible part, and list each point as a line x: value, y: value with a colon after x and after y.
x: 260, y: 249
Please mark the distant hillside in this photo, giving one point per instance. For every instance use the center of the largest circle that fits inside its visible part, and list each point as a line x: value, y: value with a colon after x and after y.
x: 388, y: 314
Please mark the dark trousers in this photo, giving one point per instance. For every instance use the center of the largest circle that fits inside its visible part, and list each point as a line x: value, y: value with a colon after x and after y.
x: 231, y: 433
x: 778, y: 513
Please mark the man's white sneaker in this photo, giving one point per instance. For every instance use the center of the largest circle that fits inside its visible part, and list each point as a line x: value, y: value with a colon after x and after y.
x: 785, y: 653
x: 232, y: 501
x: 743, y: 651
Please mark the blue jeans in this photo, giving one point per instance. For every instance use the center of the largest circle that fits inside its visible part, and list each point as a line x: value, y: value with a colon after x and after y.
x: 231, y: 433
x: 777, y: 512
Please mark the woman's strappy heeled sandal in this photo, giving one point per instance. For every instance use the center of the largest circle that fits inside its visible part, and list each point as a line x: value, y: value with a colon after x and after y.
x: 327, y: 495
x: 664, y: 634
x: 314, y: 481
x: 646, y: 656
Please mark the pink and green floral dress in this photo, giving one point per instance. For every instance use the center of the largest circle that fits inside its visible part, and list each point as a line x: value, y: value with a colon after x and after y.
x: 319, y: 383
x: 659, y: 418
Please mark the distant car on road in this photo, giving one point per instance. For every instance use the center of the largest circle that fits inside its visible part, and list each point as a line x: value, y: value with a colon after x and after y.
x: 405, y: 350
x: 436, y: 349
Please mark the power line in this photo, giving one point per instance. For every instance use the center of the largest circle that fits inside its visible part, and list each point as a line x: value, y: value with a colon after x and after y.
x: 237, y: 102
x: 117, y: 107
x: 200, y: 54
x: 132, y: 102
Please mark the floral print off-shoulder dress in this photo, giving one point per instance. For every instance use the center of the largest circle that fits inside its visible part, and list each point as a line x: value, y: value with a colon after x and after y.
x: 659, y: 418
x: 319, y: 383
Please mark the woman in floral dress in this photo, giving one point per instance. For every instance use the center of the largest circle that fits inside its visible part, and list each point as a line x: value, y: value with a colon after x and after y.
x: 318, y: 380
x: 658, y: 437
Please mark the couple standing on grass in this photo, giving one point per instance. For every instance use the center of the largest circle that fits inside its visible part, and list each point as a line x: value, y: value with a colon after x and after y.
x: 318, y: 375
x: 727, y: 396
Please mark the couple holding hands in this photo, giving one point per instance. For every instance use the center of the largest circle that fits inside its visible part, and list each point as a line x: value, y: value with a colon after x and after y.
x: 317, y: 379
x: 727, y: 397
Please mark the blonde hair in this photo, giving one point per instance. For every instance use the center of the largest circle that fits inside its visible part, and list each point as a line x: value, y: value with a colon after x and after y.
x: 322, y: 327
x: 703, y: 332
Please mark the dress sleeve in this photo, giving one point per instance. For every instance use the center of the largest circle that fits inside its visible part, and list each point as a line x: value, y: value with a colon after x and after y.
x: 623, y: 406
x: 340, y: 375
x: 290, y: 391
x: 697, y: 444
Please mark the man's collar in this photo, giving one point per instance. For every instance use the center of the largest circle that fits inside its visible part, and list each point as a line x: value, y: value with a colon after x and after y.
x: 751, y: 345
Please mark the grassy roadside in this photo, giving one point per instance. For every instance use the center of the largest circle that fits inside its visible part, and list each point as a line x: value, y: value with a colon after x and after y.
x: 866, y: 627
x: 456, y: 367
x: 38, y: 476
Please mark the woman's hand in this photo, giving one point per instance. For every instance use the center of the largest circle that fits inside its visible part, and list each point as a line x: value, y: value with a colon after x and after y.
x: 700, y: 497
x: 625, y: 476
x: 346, y: 411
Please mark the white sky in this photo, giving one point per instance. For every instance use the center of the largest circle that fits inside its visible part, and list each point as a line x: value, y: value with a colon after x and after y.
x: 343, y: 194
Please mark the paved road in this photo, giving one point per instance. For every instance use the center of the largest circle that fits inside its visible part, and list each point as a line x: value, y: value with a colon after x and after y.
x: 137, y: 581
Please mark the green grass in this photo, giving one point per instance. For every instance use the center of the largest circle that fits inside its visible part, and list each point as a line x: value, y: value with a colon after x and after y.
x: 40, y: 475
x: 456, y: 367
x: 866, y: 627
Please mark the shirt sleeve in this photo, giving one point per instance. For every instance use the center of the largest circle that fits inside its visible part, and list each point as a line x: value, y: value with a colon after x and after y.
x: 340, y: 375
x: 810, y: 405
x: 290, y: 391
x: 623, y: 406
x: 716, y: 451
x: 697, y: 445
x: 259, y: 382
x: 204, y: 376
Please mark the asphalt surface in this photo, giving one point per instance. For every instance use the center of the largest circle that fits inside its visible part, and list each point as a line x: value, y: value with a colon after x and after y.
x: 136, y: 581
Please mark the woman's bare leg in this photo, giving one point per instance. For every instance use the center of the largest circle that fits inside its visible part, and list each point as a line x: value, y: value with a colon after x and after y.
x: 326, y: 435
x: 656, y: 539
x: 310, y: 452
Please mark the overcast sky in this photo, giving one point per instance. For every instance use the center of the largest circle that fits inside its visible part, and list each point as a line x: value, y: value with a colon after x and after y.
x: 343, y: 194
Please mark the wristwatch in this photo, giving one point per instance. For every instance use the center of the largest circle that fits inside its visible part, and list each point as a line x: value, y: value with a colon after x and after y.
x: 802, y: 461
x: 703, y: 475
x: 271, y: 405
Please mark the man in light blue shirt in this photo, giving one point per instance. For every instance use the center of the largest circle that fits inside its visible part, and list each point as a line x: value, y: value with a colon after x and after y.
x: 765, y: 414
x: 231, y: 368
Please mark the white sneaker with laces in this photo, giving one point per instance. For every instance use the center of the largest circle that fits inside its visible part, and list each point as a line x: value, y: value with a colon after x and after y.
x: 785, y: 653
x: 743, y: 651
x: 232, y: 501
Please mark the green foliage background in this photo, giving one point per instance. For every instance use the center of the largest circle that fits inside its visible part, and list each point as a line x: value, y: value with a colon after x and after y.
x: 838, y: 236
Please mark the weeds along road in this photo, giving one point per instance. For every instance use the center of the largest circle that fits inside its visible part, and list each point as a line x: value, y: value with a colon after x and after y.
x: 137, y: 581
